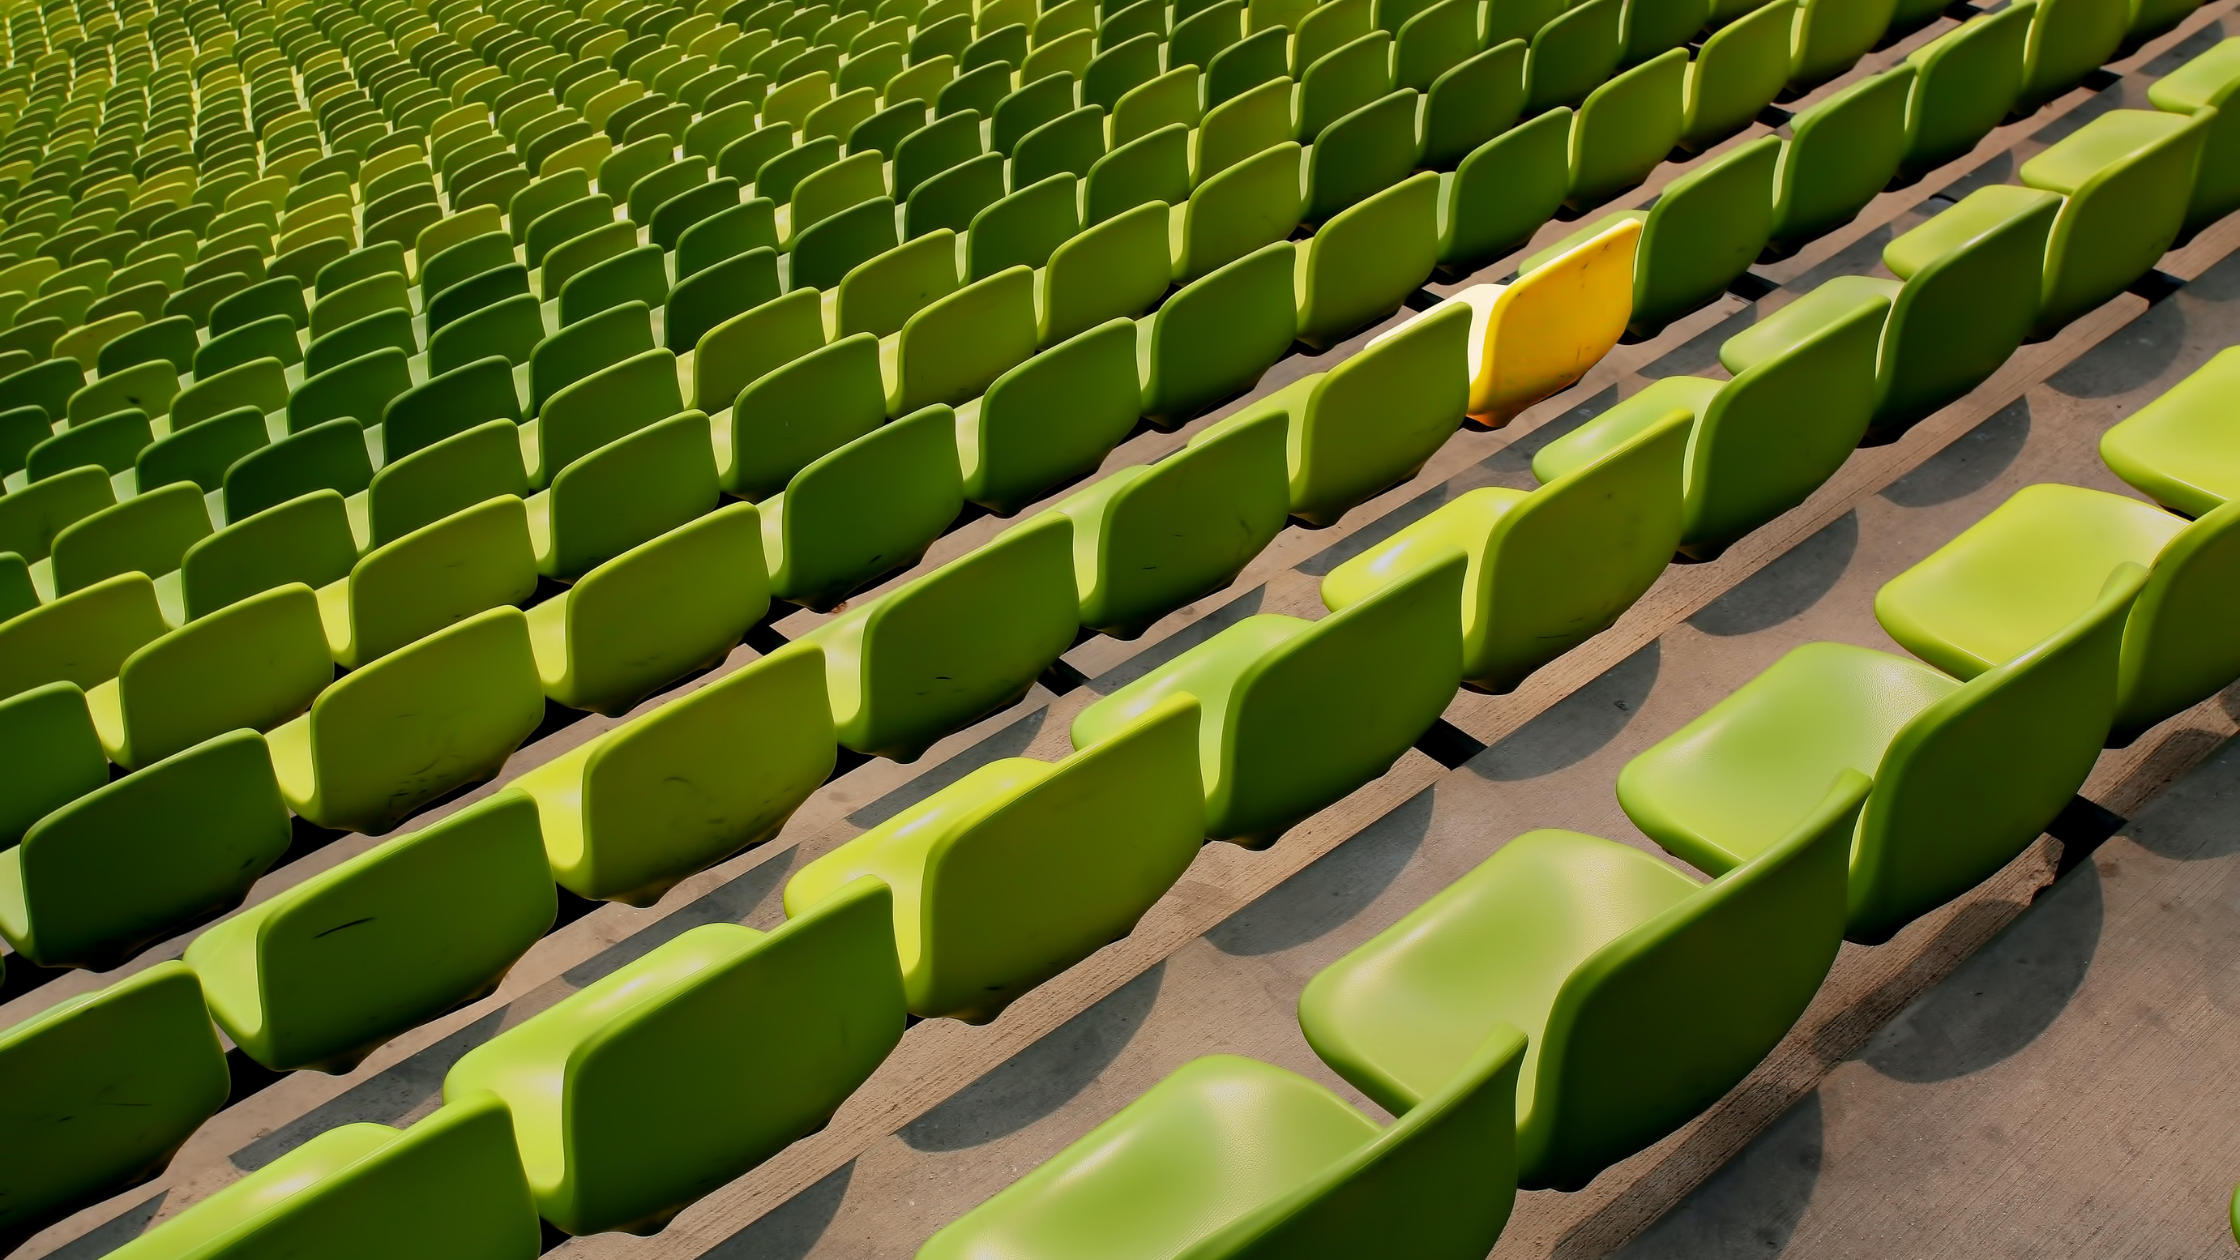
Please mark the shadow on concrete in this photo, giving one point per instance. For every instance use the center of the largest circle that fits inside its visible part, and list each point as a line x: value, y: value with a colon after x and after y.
x: 793, y: 1228
x: 1967, y: 465
x: 2196, y: 818
x: 1793, y: 583
x: 1331, y: 891
x: 1751, y: 1206
x: 1577, y: 727
x: 2000, y: 1000
x: 1041, y: 1078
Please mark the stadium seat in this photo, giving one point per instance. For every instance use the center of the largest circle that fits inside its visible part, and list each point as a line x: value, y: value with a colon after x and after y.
x: 2128, y: 177
x: 636, y: 487
x: 2178, y: 449
x: 1965, y: 82
x: 1215, y: 337
x: 1842, y: 153
x: 2208, y: 81
x: 866, y: 508
x: 427, y: 579
x: 254, y: 663
x: 1050, y: 419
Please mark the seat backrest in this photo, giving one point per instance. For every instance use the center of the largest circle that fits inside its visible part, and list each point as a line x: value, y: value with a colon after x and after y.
x: 1958, y: 318
x: 254, y: 663
x: 1625, y: 127
x: 171, y: 339
x: 1051, y: 418
x: 277, y: 296
x: 1116, y: 269
x: 1427, y: 48
x: 359, y: 389
x: 306, y: 539
x: 1548, y: 326
x: 798, y: 411
x: 637, y: 487
x: 564, y: 223
x: 1246, y: 206
x: 381, y: 330
x: 881, y: 295
x: 1571, y: 55
x: 1361, y: 153
x: 145, y: 1037
x: 381, y: 291
x: 131, y: 862
x: 1373, y: 420
x: 447, y: 404
x: 1845, y: 150
x: 146, y: 386
x: 1023, y: 228
x: 1151, y: 167
x: 946, y: 142
x: 2120, y: 222
x: 438, y: 574
x: 742, y: 348
x: 2068, y: 40
x: 47, y: 737
x: 81, y: 637
x: 586, y: 346
x: 608, y: 404
x: 868, y: 507
x: 1831, y: 36
x: 329, y: 456
x: 465, y: 260
x: 1070, y: 143
x: 1342, y: 81
x: 828, y: 251
x: 1966, y: 81
x: 1706, y: 229
x: 1219, y: 333
x: 1978, y: 774
x: 954, y: 347
x: 708, y: 297
x: 1718, y: 980
x: 148, y: 533
x: 725, y: 234
x: 2175, y: 653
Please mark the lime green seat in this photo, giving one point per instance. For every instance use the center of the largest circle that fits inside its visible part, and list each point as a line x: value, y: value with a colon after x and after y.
x: 48, y: 739
x: 610, y: 403
x: 2038, y: 561
x: 564, y: 223
x: 446, y: 476
x: 881, y: 293
x: 260, y: 383
x: 636, y: 275
x: 1022, y: 228
x: 1571, y: 55
x: 1737, y: 73
x: 171, y: 340
x: 382, y: 291
x: 110, y: 443
x: 1230, y: 1157
x: 1704, y: 232
x: 749, y: 747
x: 2127, y: 175
x: 484, y: 289
x: 1625, y: 128
x: 1246, y: 206
x: 950, y: 647
x: 955, y: 346
x: 1831, y: 35
x: 436, y: 715
x: 429, y: 578
x: 449, y: 403
x: 1764, y: 441
x: 147, y: 534
x: 140, y: 858
x: 635, y: 488
x: 1360, y: 154
x: 2210, y: 80
x: 1215, y: 337
x: 1503, y: 191
x: 322, y: 974
x: 254, y: 663
x: 1844, y: 151
x: 1966, y: 775
x: 1297, y: 714
x: 801, y: 410
x: 1550, y: 569
x: 715, y: 293
x: 328, y: 456
x: 464, y: 261
x: 1371, y: 422
x: 597, y: 647
x: 869, y: 507
x: 1969, y: 282
x: 278, y: 296
x: 448, y: 1188
x: 306, y: 539
x: 1365, y: 263
x: 382, y: 330
x: 147, y: 387
x: 1965, y: 82
x: 1645, y: 995
x: 359, y: 389
x: 1151, y: 538
x: 1049, y: 420
x: 661, y: 1081
x: 2069, y: 39
x: 1154, y: 167
x: 2181, y: 449
x: 144, y: 1038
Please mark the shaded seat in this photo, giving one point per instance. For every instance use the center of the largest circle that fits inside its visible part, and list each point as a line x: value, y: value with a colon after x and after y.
x: 428, y: 578
x: 1298, y: 714
x: 1360, y: 154
x: 81, y: 637
x: 146, y: 1038
x: 1966, y: 775
x: 147, y: 534
x: 1737, y: 72
x: 1625, y: 128
x: 1215, y: 337
x: 1843, y: 152
x: 601, y: 341
x: 952, y: 646
x: 1503, y: 190
x: 328, y: 456
x: 610, y: 403
x: 691, y: 1065
x: 306, y: 539
x: 1753, y: 455
x: 2069, y: 39
x: 1115, y: 270
x: 143, y: 857
x: 1244, y: 207
x: 1831, y: 35
x: 1550, y: 569
x: 2180, y: 449
x: 359, y: 389
x: 951, y: 349
x: 2037, y: 562
x: 1965, y: 82
x: 1371, y: 422
x: 1645, y: 995
x: 449, y: 1188
x: 1230, y: 1157
x: 382, y: 330
x: 110, y: 443
x: 635, y: 488
x: 508, y: 329
x: 1050, y: 419
x: 751, y: 746
x: 1367, y: 260
x: 1573, y: 53
x: 447, y: 404
x: 2209, y: 81
x: 869, y: 507
x: 2127, y: 175
x: 436, y: 715
x: 261, y: 383
x: 47, y: 737
x: 323, y: 973
x: 1023, y: 868
x: 801, y: 410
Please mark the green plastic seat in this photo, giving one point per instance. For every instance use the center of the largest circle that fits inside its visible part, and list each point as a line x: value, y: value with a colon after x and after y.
x: 1342, y: 81
x: 1360, y: 154
x: 357, y: 265
x: 577, y: 254
x: 1965, y: 82
x: 441, y: 713
x: 1966, y: 775
x: 2178, y: 449
x: 200, y: 454
x: 254, y: 663
x: 135, y: 861
x: 305, y: 540
x: 359, y: 389
x: 385, y: 330
x: 1704, y: 232
x: 803, y: 409
x: 1503, y: 191
x: 608, y: 404
x: 2208, y: 81
x: 952, y: 646
x: 429, y: 578
x: 509, y: 328
x: 48, y: 736
x: 171, y: 340
x: 147, y: 387
x: 1070, y: 144
x: 1050, y: 419
x: 1298, y: 714
x: 563, y: 223
x: 279, y: 296
x: 636, y: 275
x: 1845, y: 150
x: 464, y: 261
x: 1151, y: 538
x: 109, y: 443
x: 145, y: 1038
x: 48, y: 385
x: 1371, y: 422
x: 382, y: 291
x: 1571, y: 55
x: 871, y: 506
x: 1151, y: 168
x: 2128, y: 176
x: 448, y: 403
x: 1645, y: 995
x: 446, y: 476
x: 1472, y: 102
x: 148, y: 534
x: 1549, y: 569
x: 1215, y: 337
x: 880, y: 294
x: 2037, y: 562
x: 994, y: 902
x: 714, y: 294
x: 1247, y: 205
x: 328, y: 456
x: 951, y: 198
x: 829, y: 250
x: 488, y: 288
x: 1365, y: 263
x: 1970, y: 283
x: 2069, y: 39
x: 324, y: 973
x: 693, y: 1064
x: 955, y: 346
x: 637, y: 487
x: 81, y: 637
x: 1626, y: 127
x: 1752, y: 456
x: 753, y: 745
x: 1022, y: 228
x: 612, y: 336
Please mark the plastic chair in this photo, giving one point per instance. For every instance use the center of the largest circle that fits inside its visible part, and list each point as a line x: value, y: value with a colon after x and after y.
x: 1341, y: 81
x: 799, y: 411
x: 1023, y: 868
x: 2208, y: 81
x: 951, y: 349
x: 1965, y: 82
x: 2177, y: 449
x: 110, y: 443
x: 1845, y: 151
x: 607, y: 404
x: 1248, y: 205
x: 1965, y: 775
x: 871, y: 506
x: 382, y: 291
x: 81, y: 637
x: 1023, y: 228
x: 952, y: 646
x: 306, y: 540
x: 321, y: 975
x: 693, y: 1064
x: 1571, y: 55
x: 135, y: 861
x: 635, y: 488
x: 170, y: 340
x: 2069, y: 39
x: 147, y: 533
x: 1625, y: 128
x: 449, y: 1188
x: 714, y: 294
x: 1752, y: 456
x: 1503, y: 191
x: 2128, y: 176
x: 46, y: 733
x: 1365, y: 262
x: 1298, y: 714
x: 1050, y: 419
x: 416, y: 724
x: 432, y: 577
x: 1595, y: 950
x: 329, y: 456
x: 1215, y: 337
x: 145, y: 1037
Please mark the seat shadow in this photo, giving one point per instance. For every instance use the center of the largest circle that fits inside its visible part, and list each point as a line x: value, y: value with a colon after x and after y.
x: 1578, y: 726
x: 1750, y: 1207
x: 1332, y: 890
x: 1786, y: 588
x: 1011, y: 741
x: 1967, y: 465
x: 2198, y: 817
x: 2004, y: 997
x: 793, y: 1228
x: 1040, y: 1079
x: 2132, y: 360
